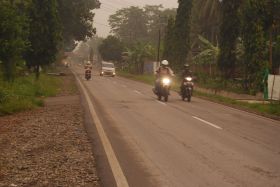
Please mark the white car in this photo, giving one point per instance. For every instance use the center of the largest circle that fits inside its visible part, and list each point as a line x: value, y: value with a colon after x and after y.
x: 108, y: 68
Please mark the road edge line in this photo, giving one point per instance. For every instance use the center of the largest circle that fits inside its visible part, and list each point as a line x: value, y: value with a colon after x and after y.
x: 111, y: 156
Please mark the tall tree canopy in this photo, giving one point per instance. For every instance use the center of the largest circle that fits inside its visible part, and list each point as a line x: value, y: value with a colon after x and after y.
x: 135, y: 24
x: 229, y: 32
x: 77, y: 18
x: 253, y: 35
x: 111, y: 49
x: 206, y: 17
x: 129, y: 24
x: 182, y: 32
x: 13, y: 37
x: 45, y: 33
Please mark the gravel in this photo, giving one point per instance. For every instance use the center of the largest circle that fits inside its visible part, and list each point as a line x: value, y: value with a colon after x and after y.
x: 47, y: 146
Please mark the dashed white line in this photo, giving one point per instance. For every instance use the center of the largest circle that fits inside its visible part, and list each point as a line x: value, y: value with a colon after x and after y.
x: 208, y: 123
x: 161, y: 103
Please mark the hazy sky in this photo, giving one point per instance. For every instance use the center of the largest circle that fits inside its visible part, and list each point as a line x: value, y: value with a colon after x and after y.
x: 109, y: 7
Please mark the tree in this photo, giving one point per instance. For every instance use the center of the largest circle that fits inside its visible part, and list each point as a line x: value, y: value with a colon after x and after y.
x: 77, y: 18
x: 182, y: 32
x: 206, y: 16
x: 168, y: 40
x: 111, y: 49
x: 13, y: 40
x: 129, y: 24
x: 45, y: 33
x: 253, y: 35
x: 229, y: 32
x: 208, y: 55
x: 137, y: 55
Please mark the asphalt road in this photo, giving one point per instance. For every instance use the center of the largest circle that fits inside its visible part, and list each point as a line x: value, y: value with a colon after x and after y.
x: 184, y: 144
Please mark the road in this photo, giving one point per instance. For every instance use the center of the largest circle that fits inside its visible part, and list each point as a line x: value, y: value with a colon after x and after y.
x: 182, y: 144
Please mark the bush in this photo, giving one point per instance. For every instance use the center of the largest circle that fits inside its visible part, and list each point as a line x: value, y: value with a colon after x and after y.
x: 25, y: 93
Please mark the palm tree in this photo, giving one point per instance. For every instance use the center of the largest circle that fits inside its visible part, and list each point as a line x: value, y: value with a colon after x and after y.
x: 138, y: 54
x: 208, y: 55
x: 206, y: 18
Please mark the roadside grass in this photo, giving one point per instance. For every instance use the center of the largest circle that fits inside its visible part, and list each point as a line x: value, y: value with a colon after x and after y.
x: 26, y: 93
x: 270, y: 108
x: 260, y: 108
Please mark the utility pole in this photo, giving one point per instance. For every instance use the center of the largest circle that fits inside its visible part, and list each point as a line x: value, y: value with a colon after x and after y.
x: 270, y: 48
x: 158, y: 52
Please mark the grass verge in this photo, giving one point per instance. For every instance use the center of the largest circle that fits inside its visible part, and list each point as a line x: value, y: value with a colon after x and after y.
x: 271, y: 110
x: 26, y: 93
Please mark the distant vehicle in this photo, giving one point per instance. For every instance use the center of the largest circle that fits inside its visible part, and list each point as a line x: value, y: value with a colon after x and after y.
x: 88, y: 74
x: 108, y: 68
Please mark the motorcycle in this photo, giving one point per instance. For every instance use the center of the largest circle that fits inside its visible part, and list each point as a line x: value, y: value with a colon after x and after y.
x: 187, y: 88
x: 163, y: 88
x: 88, y: 74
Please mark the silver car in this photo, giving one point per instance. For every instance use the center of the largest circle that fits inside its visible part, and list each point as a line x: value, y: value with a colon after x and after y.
x: 107, y: 68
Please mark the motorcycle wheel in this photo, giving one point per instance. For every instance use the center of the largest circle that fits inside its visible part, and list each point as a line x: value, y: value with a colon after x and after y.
x: 166, y: 98
x: 159, y: 97
x: 189, y: 99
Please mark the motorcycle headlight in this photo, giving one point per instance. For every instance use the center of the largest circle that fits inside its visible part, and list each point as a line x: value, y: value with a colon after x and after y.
x: 166, y: 81
x: 188, y: 79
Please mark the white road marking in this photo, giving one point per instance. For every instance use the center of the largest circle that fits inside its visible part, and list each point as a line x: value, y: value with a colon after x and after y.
x: 113, y: 161
x: 161, y: 103
x: 208, y: 123
x: 136, y: 91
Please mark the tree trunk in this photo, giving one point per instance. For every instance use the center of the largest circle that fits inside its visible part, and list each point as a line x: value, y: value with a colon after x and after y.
x: 9, y: 70
x: 37, y: 71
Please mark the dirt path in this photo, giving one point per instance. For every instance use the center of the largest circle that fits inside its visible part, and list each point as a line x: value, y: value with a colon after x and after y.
x: 48, y: 146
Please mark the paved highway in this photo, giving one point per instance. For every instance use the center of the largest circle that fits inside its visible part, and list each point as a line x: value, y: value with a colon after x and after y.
x: 183, y: 144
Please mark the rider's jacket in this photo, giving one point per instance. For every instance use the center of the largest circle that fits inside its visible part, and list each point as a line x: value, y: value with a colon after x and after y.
x: 186, y: 73
x: 88, y: 67
x: 164, y: 71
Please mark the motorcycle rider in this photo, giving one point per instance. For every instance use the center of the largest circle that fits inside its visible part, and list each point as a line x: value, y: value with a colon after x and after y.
x: 186, y: 73
x: 163, y: 70
x: 88, y: 69
x: 88, y: 65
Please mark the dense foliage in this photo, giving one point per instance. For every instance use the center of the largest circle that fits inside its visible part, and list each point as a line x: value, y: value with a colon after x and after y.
x: 135, y: 24
x: 111, y: 49
x: 45, y: 34
x: 33, y: 32
x: 182, y: 30
x: 76, y: 17
x: 229, y: 32
x: 13, y: 37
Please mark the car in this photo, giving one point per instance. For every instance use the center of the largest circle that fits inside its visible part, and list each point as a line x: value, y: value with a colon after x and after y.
x: 108, y: 68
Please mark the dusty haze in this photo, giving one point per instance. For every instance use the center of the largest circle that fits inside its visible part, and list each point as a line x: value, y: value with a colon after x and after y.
x: 109, y: 7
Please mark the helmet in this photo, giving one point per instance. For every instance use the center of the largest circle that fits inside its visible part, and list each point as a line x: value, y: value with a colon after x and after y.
x: 164, y: 63
x: 88, y: 63
x: 186, y: 66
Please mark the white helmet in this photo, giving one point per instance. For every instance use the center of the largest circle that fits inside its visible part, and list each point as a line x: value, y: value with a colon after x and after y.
x: 164, y: 62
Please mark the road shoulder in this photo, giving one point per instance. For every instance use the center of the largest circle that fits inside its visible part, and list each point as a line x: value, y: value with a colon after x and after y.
x: 48, y: 146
